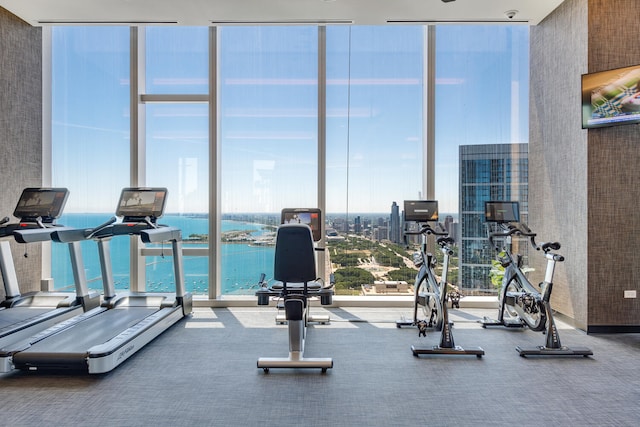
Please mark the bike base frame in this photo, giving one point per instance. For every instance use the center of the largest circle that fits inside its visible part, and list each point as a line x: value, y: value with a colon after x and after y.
x: 457, y: 350
x: 547, y: 351
x: 401, y: 323
x: 506, y: 323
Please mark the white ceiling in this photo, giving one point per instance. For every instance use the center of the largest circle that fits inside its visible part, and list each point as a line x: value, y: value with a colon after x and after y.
x: 208, y: 12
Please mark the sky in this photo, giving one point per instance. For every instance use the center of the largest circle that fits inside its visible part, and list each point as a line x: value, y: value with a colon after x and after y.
x: 268, y: 106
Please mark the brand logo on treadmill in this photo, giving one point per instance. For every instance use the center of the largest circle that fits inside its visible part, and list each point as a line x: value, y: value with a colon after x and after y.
x: 123, y: 354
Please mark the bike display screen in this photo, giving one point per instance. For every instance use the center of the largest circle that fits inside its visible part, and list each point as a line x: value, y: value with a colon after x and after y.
x: 499, y: 211
x: 311, y: 217
x: 421, y: 210
x: 44, y: 203
x: 136, y: 203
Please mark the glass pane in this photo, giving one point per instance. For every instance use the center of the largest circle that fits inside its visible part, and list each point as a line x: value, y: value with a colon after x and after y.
x: 482, y: 131
x: 90, y: 138
x: 178, y: 159
x: 177, y: 60
x: 268, y: 135
x: 374, y: 149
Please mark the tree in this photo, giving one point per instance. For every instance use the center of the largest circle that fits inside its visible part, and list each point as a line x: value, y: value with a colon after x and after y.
x: 351, y: 278
x: 404, y: 273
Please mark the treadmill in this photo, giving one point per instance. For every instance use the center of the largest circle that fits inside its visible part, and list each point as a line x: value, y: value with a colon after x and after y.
x: 101, y: 339
x: 24, y: 315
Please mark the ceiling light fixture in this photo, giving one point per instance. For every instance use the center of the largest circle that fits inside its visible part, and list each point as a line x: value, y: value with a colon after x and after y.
x: 98, y: 22
x: 288, y: 22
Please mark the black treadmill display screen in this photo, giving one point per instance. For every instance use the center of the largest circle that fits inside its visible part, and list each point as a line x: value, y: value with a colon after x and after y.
x: 43, y: 203
x: 142, y: 202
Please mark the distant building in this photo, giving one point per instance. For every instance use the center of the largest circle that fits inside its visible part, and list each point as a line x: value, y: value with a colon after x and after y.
x: 454, y: 232
x: 487, y: 172
x: 340, y: 224
x: 357, y: 225
x: 448, y: 223
x: 381, y: 233
x: 380, y: 287
x: 394, y: 224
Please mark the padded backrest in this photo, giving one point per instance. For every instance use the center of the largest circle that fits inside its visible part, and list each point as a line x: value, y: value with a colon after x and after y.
x: 295, y: 260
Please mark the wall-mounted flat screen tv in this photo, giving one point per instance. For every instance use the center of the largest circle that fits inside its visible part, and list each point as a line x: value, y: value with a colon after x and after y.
x: 611, y: 98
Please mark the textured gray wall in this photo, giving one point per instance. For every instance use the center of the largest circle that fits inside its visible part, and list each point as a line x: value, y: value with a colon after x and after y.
x: 558, y: 174
x: 20, y: 129
x: 614, y: 174
x: 583, y: 184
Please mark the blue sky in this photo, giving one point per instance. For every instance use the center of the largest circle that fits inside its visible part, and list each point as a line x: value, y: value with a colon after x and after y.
x: 268, y: 109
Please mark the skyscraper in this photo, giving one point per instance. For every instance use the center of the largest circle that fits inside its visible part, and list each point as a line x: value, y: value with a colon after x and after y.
x: 357, y: 225
x: 394, y: 224
x: 487, y: 172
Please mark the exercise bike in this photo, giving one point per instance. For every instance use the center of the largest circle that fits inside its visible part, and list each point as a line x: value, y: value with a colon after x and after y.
x: 521, y: 304
x: 295, y: 271
x: 430, y: 293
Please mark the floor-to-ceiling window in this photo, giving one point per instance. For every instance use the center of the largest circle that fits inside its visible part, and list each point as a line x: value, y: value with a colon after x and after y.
x: 375, y: 81
x: 482, y: 88
x: 89, y: 137
x: 176, y: 144
x: 268, y: 112
x: 268, y: 115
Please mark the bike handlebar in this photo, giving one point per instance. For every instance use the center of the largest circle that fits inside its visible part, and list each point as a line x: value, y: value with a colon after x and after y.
x: 521, y: 229
x: 518, y: 229
x: 443, y: 240
x: 425, y: 229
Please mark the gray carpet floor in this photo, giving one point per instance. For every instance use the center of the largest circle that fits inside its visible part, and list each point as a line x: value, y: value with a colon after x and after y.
x: 202, y: 372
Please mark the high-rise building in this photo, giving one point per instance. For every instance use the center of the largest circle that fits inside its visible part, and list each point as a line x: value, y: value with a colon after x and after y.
x: 448, y: 223
x: 340, y: 224
x: 381, y: 233
x: 394, y: 224
x: 487, y: 172
x: 357, y: 225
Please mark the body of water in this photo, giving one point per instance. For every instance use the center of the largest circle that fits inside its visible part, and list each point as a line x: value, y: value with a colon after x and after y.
x: 242, y: 263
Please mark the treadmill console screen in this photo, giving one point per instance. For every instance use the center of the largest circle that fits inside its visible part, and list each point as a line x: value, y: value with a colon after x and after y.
x: 138, y: 203
x: 502, y: 212
x: 311, y: 217
x: 44, y: 203
x: 421, y: 210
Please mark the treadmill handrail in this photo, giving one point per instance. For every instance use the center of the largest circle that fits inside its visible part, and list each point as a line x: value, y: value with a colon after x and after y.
x: 113, y: 228
x: 69, y: 235
x: 125, y: 228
